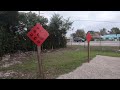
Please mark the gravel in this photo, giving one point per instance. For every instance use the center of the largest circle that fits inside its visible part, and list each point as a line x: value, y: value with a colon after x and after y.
x: 101, y: 67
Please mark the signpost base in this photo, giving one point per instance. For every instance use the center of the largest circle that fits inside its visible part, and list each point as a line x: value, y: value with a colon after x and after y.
x: 119, y: 43
x: 88, y: 37
x: 88, y: 52
x: 40, y: 67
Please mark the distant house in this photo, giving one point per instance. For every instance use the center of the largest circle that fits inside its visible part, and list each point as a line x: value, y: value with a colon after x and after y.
x: 111, y: 37
x: 95, y: 36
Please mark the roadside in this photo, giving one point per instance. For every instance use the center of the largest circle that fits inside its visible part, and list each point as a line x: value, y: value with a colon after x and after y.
x: 100, y: 67
x: 96, y: 43
x: 56, y: 62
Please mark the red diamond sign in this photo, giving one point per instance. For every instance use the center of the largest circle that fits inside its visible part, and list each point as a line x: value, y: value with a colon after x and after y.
x: 88, y: 37
x: 38, y: 34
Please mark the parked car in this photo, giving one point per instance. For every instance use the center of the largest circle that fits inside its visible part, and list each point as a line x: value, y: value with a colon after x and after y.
x: 78, y: 39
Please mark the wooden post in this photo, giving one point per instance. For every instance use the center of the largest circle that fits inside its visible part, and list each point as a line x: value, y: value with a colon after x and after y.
x: 40, y: 67
x: 100, y: 41
x: 119, y: 42
x: 88, y: 52
x: 84, y: 44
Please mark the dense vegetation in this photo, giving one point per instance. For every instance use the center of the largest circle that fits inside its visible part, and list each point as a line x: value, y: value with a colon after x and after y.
x: 15, y: 25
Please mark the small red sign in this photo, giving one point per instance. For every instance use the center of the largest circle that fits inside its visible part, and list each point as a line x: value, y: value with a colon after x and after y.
x: 38, y: 34
x: 88, y: 37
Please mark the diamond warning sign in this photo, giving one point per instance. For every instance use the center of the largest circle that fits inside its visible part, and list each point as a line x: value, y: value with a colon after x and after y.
x: 38, y: 34
x: 88, y: 37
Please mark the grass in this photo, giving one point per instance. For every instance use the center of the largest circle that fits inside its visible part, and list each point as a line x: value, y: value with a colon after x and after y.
x: 61, y: 61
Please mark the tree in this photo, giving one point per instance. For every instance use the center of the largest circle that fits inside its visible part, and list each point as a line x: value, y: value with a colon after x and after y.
x: 30, y: 19
x: 73, y: 35
x: 58, y: 27
x: 8, y: 17
x: 14, y: 27
x: 80, y: 33
x: 91, y: 32
x: 103, y: 31
x: 26, y: 22
x: 8, y: 21
x: 115, y: 30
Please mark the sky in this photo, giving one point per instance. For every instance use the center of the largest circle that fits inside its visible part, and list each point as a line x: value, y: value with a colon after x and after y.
x: 81, y: 19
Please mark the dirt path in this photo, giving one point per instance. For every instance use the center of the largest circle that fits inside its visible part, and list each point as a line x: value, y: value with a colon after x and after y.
x: 101, y: 67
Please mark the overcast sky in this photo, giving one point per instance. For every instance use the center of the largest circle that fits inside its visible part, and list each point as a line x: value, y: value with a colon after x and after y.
x: 112, y: 16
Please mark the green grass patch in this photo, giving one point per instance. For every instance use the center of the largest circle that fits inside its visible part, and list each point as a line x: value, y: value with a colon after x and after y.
x: 61, y: 61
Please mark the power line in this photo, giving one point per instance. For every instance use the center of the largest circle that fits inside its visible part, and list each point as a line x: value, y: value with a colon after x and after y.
x: 97, y: 21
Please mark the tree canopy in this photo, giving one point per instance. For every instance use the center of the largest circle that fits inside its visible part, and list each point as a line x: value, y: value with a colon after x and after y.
x: 79, y: 33
x: 58, y: 27
x: 15, y: 25
x: 103, y: 31
x: 115, y: 30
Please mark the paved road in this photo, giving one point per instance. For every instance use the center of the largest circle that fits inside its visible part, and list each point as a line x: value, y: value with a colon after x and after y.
x: 97, y: 43
x: 101, y: 67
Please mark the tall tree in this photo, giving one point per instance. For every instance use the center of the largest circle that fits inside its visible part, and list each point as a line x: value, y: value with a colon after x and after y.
x: 58, y: 27
x: 73, y: 35
x: 103, y: 31
x: 26, y: 22
x: 80, y: 33
x: 14, y: 27
x: 30, y: 19
x: 115, y: 30
x: 92, y: 32
x: 8, y: 17
x: 8, y: 21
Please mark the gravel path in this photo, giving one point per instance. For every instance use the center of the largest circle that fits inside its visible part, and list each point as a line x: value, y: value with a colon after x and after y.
x: 101, y: 67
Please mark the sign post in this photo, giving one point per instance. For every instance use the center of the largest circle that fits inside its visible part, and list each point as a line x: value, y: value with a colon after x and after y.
x: 88, y: 51
x: 119, y: 42
x: 40, y: 67
x: 84, y: 44
x: 88, y: 37
x: 38, y: 35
